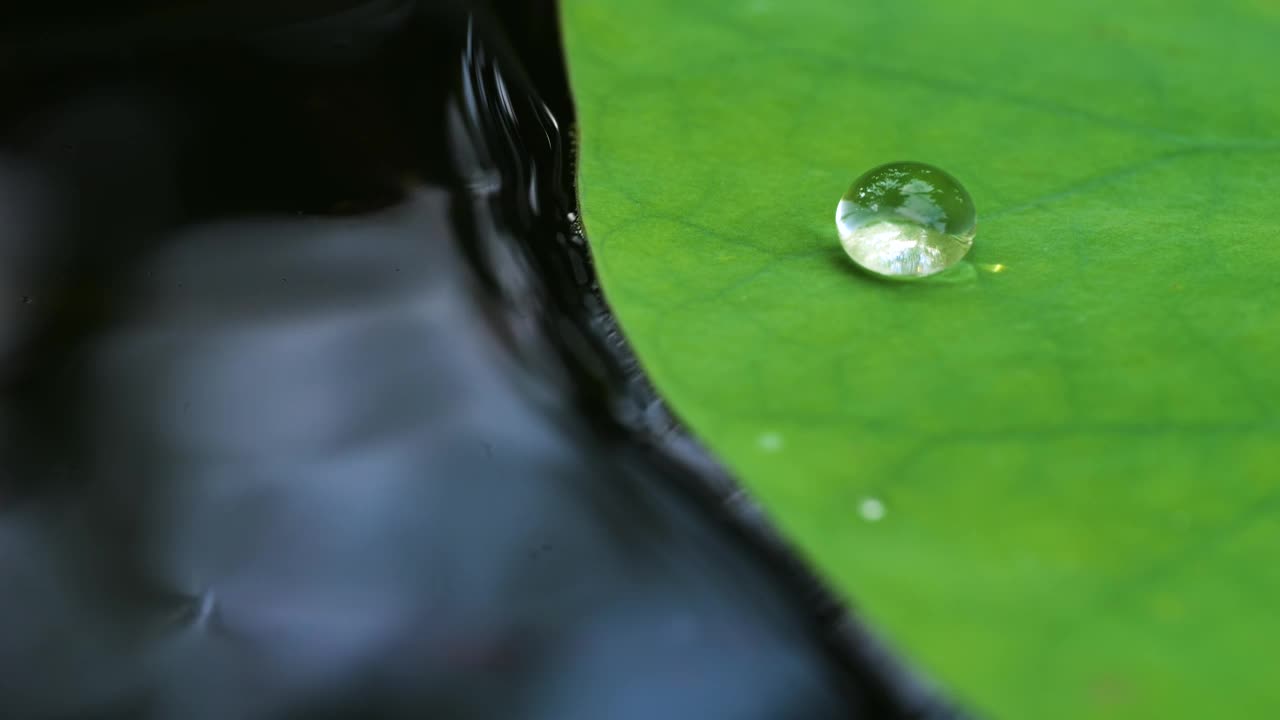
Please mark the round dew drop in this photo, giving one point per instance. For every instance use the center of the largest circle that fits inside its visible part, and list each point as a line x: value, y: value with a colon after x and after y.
x: 906, y: 220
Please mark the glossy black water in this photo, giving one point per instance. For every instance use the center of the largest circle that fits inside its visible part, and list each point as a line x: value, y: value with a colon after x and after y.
x: 311, y: 406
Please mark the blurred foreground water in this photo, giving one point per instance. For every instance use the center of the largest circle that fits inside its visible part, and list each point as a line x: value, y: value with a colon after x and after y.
x: 311, y: 407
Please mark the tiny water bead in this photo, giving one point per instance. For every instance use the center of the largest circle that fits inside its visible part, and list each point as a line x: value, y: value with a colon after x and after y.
x: 871, y: 509
x: 906, y: 220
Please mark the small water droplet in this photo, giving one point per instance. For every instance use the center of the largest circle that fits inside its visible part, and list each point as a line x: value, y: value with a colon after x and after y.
x: 871, y: 509
x: 906, y: 220
x: 770, y: 442
x: 27, y: 300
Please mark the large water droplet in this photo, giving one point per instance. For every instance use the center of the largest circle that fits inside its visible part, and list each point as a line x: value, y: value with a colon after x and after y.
x: 906, y: 220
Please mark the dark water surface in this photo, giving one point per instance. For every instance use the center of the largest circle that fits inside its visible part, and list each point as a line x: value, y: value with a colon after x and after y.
x: 310, y: 405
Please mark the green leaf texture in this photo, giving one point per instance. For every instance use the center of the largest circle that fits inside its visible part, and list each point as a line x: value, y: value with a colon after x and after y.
x: 1073, y: 436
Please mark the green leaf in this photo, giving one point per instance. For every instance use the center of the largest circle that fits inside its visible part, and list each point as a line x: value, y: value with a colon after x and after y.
x: 1074, y: 437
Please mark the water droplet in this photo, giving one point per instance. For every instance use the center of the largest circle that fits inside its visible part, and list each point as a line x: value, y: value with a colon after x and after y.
x: 871, y: 510
x: 906, y: 220
x: 770, y: 442
x: 26, y: 300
